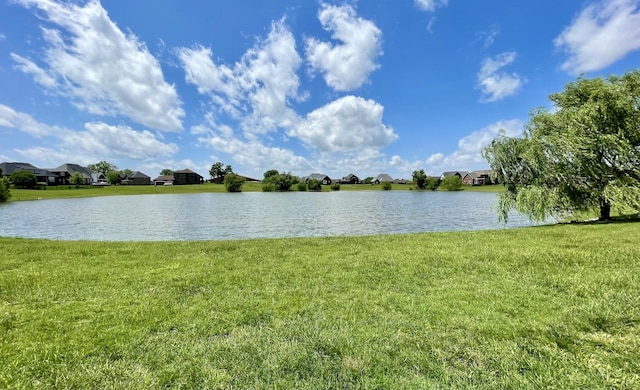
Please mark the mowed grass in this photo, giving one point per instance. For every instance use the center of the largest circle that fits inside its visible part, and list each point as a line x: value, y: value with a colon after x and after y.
x: 544, y: 307
x: 58, y: 192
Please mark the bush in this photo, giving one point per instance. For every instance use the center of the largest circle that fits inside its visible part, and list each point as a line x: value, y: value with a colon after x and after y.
x: 279, y: 182
x: 233, y: 182
x: 432, y: 183
x: 23, y: 179
x: 314, y: 185
x: 268, y: 187
x: 5, y: 191
x: 386, y: 185
x: 302, y: 186
x: 451, y: 183
x: 335, y: 186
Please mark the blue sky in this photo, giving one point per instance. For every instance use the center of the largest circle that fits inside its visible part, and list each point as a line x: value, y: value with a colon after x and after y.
x: 363, y: 87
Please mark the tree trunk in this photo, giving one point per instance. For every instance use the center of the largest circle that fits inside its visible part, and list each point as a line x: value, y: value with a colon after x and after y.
x: 605, y: 211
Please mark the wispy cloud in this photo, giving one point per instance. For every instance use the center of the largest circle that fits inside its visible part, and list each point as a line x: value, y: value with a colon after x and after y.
x: 103, y: 70
x: 495, y: 84
x: 603, y: 33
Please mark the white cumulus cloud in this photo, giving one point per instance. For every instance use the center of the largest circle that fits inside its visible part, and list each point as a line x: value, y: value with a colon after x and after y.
x: 346, y: 124
x: 601, y: 34
x: 97, y: 140
x: 347, y: 65
x: 258, y: 88
x: 496, y: 84
x: 105, y: 71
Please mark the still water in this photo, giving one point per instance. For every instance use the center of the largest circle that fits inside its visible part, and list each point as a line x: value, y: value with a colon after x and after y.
x: 250, y: 215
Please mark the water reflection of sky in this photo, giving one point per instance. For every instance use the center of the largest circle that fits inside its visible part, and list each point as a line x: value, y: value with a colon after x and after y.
x: 250, y: 215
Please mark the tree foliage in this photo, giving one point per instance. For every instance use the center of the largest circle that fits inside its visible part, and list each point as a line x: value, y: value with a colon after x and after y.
x: 103, y: 167
x: 219, y: 171
x: 386, y: 185
x: 166, y: 172
x: 278, y: 182
x: 314, y: 185
x: 432, y: 183
x: 451, y: 183
x: 419, y: 178
x: 24, y: 179
x: 367, y: 180
x: 5, y: 190
x: 584, y: 154
x: 113, y: 177
x: 270, y: 172
x: 77, y: 179
x: 233, y: 182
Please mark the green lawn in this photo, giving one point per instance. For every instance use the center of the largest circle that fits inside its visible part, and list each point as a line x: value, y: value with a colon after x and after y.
x: 72, y: 192
x: 545, y: 307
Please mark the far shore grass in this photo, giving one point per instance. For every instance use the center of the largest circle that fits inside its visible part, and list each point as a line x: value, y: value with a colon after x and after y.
x: 56, y: 192
x: 542, y: 307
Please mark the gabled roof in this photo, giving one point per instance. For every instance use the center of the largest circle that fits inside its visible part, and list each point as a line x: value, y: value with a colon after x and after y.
x: 453, y: 173
x: 9, y: 167
x: 349, y: 176
x: 317, y: 176
x: 165, y: 178
x: 73, y: 168
x: 383, y: 177
x: 187, y: 171
x: 137, y: 174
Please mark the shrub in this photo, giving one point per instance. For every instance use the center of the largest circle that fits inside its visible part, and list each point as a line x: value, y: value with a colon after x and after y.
x: 23, y: 179
x: 335, y: 186
x: 386, y: 185
x: 451, y: 183
x: 302, y: 186
x: 314, y: 185
x: 233, y: 182
x: 5, y: 191
x: 268, y: 187
x: 432, y: 183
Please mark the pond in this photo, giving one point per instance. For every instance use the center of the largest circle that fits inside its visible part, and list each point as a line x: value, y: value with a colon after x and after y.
x: 250, y: 215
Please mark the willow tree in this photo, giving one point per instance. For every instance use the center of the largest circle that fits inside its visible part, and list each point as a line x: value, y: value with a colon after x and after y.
x: 581, y: 155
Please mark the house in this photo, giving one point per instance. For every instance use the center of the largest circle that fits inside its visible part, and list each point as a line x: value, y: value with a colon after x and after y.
x: 477, y: 178
x: 382, y: 178
x: 65, y: 171
x: 136, y: 178
x: 350, y: 179
x: 399, y: 181
x: 163, y: 179
x: 320, y: 177
x: 460, y: 174
x: 187, y: 176
x: 42, y: 175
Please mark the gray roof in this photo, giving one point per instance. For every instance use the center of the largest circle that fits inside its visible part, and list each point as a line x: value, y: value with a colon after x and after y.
x: 383, y: 177
x: 318, y: 176
x: 137, y: 174
x: 73, y: 168
x: 9, y: 167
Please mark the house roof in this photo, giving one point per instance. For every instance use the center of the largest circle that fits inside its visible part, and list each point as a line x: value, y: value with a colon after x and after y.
x: 165, y: 178
x: 73, y: 168
x: 453, y: 173
x: 187, y: 171
x: 137, y: 175
x: 383, y: 177
x: 318, y: 176
x: 9, y: 167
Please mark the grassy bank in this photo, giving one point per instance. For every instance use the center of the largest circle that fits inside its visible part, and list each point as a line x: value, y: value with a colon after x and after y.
x: 546, y: 307
x: 89, y: 191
